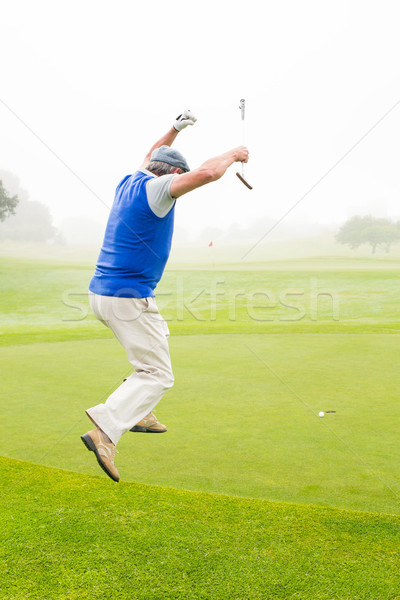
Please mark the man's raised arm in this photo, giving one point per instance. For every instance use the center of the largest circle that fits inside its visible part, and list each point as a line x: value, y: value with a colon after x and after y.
x: 209, y: 171
x: 185, y: 119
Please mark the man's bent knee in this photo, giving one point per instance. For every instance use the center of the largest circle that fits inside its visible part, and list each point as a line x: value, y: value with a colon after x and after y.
x: 169, y: 380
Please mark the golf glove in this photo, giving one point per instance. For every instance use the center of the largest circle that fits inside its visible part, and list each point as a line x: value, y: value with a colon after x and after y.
x: 185, y: 119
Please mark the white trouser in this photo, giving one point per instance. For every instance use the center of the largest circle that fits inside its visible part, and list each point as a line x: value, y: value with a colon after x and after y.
x: 139, y: 327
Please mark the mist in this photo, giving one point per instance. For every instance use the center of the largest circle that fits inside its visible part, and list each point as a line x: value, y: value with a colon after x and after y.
x: 32, y: 232
x: 322, y: 112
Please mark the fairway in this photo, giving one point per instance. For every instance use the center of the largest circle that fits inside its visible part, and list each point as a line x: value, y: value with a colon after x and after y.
x: 257, y: 353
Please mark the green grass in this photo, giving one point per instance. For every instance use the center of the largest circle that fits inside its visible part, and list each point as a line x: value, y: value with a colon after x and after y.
x: 241, y: 417
x: 308, y: 296
x: 69, y: 536
x: 258, y: 350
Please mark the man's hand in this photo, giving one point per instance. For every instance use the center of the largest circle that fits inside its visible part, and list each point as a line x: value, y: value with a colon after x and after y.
x: 242, y: 154
x: 209, y: 171
x: 185, y: 119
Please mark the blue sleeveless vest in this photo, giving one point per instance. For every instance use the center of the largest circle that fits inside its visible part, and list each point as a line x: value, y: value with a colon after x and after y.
x: 136, y: 245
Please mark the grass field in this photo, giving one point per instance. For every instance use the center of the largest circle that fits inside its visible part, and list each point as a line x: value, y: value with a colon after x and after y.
x: 258, y: 350
x: 68, y: 536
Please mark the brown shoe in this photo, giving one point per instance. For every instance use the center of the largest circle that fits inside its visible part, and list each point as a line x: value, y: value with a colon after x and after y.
x: 105, y: 451
x: 149, y: 425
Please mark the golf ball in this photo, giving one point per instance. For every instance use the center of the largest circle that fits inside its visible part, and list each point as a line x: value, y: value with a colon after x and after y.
x: 321, y: 413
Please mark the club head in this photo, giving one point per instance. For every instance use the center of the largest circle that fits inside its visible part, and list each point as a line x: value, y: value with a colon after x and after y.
x: 242, y: 179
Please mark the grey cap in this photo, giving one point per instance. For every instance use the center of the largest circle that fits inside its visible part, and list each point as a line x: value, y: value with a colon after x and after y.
x: 170, y: 156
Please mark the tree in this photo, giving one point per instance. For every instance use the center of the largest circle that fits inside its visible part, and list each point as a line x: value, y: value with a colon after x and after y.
x: 8, y: 203
x: 31, y: 221
x: 382, y: 235
x: 369, y: 230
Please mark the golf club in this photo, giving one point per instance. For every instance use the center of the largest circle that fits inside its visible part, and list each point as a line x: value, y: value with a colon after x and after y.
x: 241, y: 175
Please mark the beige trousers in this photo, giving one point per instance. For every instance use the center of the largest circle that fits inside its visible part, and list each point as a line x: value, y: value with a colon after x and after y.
x: 141, y: 330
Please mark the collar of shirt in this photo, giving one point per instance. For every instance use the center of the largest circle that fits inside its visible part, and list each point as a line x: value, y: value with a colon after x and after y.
x: 147, y: 172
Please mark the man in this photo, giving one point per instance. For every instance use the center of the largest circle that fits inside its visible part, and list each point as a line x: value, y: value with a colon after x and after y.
x: 135, y: 250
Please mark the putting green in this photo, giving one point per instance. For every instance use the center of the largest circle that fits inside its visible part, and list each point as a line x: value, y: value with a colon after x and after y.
x: 242, y: 416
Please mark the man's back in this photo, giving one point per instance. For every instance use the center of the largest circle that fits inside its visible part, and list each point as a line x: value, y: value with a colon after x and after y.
x: 136, y: 244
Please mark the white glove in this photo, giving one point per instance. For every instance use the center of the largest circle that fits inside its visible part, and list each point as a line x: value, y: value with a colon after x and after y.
x: 185, y: 119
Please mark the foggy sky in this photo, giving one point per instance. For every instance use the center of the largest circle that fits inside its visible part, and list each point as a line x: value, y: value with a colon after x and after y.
x: 88, y: 87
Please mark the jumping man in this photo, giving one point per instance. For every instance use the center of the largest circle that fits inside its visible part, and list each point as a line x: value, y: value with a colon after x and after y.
x: 132, y: 259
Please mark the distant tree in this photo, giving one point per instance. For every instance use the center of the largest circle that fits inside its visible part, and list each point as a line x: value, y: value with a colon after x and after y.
x: 30, y: 221
x: 382, y: 235
x: 369, y: 230
x: 8, y: 203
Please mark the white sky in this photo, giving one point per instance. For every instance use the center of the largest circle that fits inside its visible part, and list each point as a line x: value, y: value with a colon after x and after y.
x: 100, y: 81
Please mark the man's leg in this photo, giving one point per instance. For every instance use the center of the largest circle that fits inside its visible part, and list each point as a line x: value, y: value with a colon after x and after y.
x: 141, y: 330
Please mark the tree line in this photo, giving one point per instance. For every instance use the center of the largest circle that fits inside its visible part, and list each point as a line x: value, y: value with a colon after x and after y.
x: 23, y: 219
x: 26, y: 220
x: 376, y: 232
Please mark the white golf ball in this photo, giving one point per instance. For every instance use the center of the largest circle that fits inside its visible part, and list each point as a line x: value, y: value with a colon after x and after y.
x: 321, y: 413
